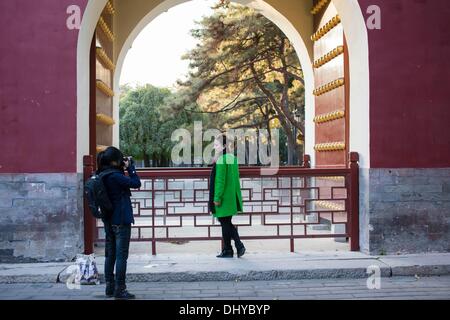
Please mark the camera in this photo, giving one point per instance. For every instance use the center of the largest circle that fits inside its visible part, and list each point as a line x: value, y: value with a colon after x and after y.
x: 129, y: 159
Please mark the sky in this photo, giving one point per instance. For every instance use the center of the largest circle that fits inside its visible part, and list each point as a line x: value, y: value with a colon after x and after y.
x: 155, y: 56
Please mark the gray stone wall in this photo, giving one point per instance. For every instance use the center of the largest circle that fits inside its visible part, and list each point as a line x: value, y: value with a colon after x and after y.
x: 364, y: 215
x: 405, y: 210
x: 401, y: 211
x: 41, y: 217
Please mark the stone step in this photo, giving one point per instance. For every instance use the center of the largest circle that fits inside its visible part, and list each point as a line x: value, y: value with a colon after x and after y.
x: 294, y: 266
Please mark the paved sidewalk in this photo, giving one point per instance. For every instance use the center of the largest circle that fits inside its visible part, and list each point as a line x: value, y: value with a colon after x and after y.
x: 404, y: 288
x: 253, y: 266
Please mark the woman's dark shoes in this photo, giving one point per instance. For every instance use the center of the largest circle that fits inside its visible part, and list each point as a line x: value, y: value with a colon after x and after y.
x: 121, y: 293
x: 240, y: 251
x: 226, y: 254
x: 109, y: 289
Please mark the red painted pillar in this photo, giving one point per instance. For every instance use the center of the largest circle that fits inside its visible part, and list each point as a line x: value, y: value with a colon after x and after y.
x: 89, y: 221
x: 93, y: 99
x: 354, y: 201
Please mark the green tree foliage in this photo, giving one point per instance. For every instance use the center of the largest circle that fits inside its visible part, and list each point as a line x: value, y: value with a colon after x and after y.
x: 146, y: 124
x: 244, y: 73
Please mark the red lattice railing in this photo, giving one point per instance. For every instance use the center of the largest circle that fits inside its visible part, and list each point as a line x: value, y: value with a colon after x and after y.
x: 172, y: 205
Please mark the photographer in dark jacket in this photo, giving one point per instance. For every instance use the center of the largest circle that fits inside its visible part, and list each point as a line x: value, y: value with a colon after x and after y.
x: 118, y: 226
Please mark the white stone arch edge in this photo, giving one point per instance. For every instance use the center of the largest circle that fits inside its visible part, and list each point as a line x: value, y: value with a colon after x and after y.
x: 268, y: 11
x: 88, y: 24
x: 356, y: 33
x: 358, y: 46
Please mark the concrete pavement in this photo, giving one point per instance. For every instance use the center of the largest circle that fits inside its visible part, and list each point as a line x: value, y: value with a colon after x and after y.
x: 403, y: 288
x: 252, y: 267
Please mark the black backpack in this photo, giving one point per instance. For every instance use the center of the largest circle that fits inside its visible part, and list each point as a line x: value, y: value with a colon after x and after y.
x: 98, y: 201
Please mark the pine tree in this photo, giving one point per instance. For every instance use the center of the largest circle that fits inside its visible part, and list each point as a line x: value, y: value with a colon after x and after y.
x: 245, y: 73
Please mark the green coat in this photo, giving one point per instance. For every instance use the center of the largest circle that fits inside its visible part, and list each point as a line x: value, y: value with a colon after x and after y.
x: 227, y: 187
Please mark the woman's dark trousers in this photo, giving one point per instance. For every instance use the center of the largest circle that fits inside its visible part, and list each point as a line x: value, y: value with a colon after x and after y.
x: 229, y: 232
x: 116, y: 253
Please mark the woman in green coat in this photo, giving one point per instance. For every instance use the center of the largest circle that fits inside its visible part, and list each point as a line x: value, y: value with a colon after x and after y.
x: 225, y: 199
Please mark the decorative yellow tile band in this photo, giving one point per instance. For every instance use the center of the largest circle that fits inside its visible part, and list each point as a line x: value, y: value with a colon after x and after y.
x: 102, y: 24
x: 332, y: 178
x: 329, y: 56
x: 101, y: 148
x: 329, y: 87
x: 110, y: 8
x: 330, y: 205
x: 104, y: 59
x: 107, y: 120
x: 338, y: 114
x: 104, y: 88
x: 319, y: 6
x: 330, y: 146
x: 326, y: 28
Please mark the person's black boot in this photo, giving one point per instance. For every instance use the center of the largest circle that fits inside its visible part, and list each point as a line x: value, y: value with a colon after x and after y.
x: 109, y: 289
x: 240, y: 250
x: 226, y: 253
x: 121, y: 293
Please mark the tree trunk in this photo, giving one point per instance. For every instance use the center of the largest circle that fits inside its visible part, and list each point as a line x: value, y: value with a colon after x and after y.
x: 165, y: 162
x: 291, y: 150
x: 296, y: 154
x: 146, y: 160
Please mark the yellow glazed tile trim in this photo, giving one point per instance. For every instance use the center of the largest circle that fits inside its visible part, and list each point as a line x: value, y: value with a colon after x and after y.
x: 332, y: 178
x: 104, y: 59
x: 338, y: 114
x: 330, y: 205
x: 329, y: 87
x: 326, y: 28
x: 329, y: 56
x: 107, y: 120
x: 104, y: 88
x: 330, y: 146
x: 102, y: 24
x: 110, y: 8
x: 319, y: 6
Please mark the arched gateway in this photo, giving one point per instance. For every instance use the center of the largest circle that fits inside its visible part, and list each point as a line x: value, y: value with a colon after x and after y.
x: 315, y: 30
x: 293, y: 18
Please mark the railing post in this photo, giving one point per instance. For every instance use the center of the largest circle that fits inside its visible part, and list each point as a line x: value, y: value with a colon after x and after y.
x: 89, y: 222
x: 306, y: 161
x: 354, y: 201
x: 153, y: 218
x: 291, y: 192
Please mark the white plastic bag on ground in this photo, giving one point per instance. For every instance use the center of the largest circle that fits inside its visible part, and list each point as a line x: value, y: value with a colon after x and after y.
x: 87, y: 272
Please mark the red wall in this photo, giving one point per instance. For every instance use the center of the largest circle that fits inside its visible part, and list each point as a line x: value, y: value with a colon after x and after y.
x: 409, y: 76
x: 37, y: 87
x: 410, y: 84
